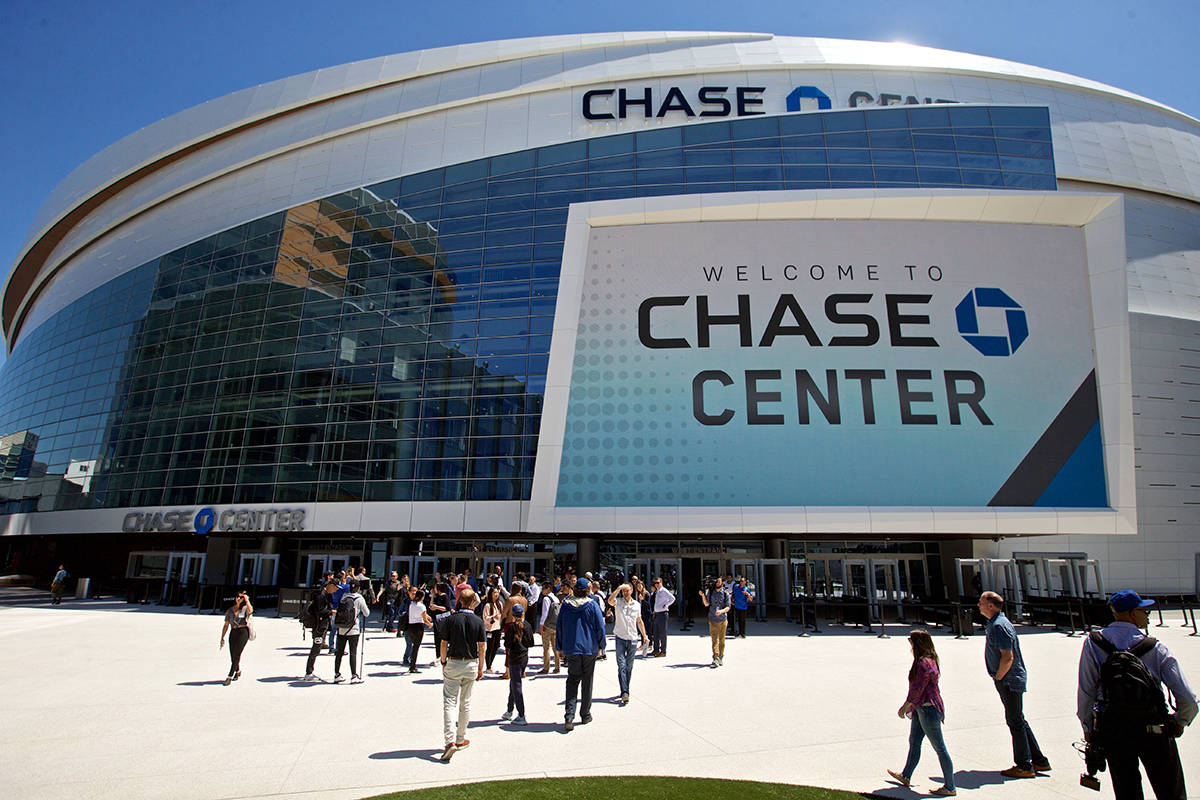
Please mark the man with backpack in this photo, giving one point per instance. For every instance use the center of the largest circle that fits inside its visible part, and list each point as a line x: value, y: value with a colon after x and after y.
x: 317, y: 616
x: 350, y: 620
x: 1121, y: 704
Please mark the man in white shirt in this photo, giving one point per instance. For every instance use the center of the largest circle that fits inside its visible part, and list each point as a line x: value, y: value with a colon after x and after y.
x: 662, y: 600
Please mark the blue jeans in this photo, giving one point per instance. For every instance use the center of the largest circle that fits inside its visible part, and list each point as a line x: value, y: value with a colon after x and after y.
x: 1026, y: 752
x: 926, y: 722
x: 408, y: 648
x: 626, y: 650
x: 389, y: 616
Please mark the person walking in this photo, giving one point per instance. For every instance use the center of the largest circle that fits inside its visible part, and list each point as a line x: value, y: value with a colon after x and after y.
x: 342, y: 588
x: 924, y: 706
x: 416, y: 622
x: 742, y: 598
x: 1121, y: 706
x: 58, y: 584
x: 402, y: 605
x: 547, y: 627
x: 662, y: 600
x: 580, y: 639
x: 321, y: 609
x: 717, y: 601
x: 518, y: 638
x: 643, y: 596
x: 628, y: 632
x: 1002, y: 657
x: 493, y: 610
x: 350, y: 620
x: 389, y: 596
x: 461, y: 654
x: 237, y: 625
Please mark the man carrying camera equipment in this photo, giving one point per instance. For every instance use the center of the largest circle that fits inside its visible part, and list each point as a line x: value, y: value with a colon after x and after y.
x: 717, y: 600
x: 1121, y: 707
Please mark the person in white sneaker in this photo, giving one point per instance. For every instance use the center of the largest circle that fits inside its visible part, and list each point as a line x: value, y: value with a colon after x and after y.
x: 349, y: 618
x: 462, y: 650
x: 518, y: 638
x: 628, y: 631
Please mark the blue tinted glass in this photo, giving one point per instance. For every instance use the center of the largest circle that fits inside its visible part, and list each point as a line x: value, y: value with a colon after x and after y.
x: 893, y: 157
x: 965, y: 116
x: 928, y: 141
x: 610, y: 146
x: 561, y: 182
x: 972, y: 177
x: 928, y: 117
x: 421, y: 182
x: 1018, y: 164
x: 815, y: 174
x: 1019, y: 147
x: 512, y: 162
x: 758, y: 155
x: 844, y: 121
x: 975, y: 144
x: 794, y: 124
x: 757, y: 173
x: 849, y: 156
x: 936, y: 158
x: 852, y: 139
x: 938, y: 176
x: 609, y: 163
x: 500, y: 205
x: 807, y: 156
x: 858, y: 176
x: 761, y: 128
x: 659, y: 139
x: 474, y: 190
x: 470, y: 171
x: 1033, y: 116
x: 978, y: 161
x: 693, y: 157
x: 562, y: 153
x: 891, y: 139
x: 705, y: 133
x: 905, y: 175
x: 661, y: 158
x: 708, y: 174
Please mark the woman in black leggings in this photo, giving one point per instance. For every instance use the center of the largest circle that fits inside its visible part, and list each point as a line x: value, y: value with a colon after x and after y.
x: 418, y: 620
x: 237, y: 625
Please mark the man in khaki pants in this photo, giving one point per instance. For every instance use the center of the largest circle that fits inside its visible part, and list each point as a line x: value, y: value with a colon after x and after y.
x: 462, y: 654
x: 547, y: 629
x: 717, y: 600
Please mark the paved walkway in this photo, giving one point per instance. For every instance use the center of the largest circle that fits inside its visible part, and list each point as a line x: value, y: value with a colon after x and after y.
x: 108, y: 700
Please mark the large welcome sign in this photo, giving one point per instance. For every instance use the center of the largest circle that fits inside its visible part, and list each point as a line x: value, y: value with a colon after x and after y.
x: 828, y: 362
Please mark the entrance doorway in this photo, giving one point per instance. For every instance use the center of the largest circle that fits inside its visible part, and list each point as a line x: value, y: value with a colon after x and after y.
x: 258, y: 569
x: 317, y: 564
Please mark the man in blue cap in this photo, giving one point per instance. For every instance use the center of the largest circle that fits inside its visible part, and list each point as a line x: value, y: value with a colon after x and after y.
x: 1121, y: 707
x: 580, y: 640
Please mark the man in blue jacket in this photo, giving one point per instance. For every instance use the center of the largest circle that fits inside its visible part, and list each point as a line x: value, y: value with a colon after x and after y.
x: 580, y: 640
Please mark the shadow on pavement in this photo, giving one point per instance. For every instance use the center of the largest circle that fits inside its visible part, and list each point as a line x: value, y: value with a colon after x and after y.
x: 424, y: 754
x: 975, y: 778
x: 201, y: 683
x: 688, y: 666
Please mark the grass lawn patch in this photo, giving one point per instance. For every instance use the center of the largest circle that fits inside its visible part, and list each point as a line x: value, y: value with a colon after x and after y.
x: 627, y: 788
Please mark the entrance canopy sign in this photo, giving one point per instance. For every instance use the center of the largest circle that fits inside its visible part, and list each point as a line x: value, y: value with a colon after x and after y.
x: 868, y: 360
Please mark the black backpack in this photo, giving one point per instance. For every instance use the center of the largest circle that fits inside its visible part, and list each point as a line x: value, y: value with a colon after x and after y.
x: 1129, y: 695
x: 346, y: 611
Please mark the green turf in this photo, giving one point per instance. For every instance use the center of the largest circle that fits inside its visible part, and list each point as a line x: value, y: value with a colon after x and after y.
x: 626, y: 788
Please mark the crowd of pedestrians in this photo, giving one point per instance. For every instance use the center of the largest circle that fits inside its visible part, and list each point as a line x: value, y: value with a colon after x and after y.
x: 1120, y: 672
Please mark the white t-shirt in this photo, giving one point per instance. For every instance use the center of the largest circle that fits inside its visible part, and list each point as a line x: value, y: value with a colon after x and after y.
x: 627, y: 617
x: 416, y: 612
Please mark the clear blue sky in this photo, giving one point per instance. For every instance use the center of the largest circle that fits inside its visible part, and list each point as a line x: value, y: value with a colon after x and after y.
x: 78, y: 76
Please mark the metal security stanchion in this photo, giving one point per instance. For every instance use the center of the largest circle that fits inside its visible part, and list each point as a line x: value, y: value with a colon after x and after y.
x: 1071, y: 618
x: 803, y: 619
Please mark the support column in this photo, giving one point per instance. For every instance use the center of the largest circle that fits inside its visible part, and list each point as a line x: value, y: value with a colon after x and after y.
x: 587, y: 556
x: 216, y: 562
x: 269, y: 545
x: 777, y: 547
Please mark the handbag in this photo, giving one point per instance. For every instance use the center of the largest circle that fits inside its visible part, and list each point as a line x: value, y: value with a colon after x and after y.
x: 250, y: 625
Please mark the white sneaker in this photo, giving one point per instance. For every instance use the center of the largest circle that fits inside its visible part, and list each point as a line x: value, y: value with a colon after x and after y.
x: 310, y: 678
x: 720, y: 662
x: 356, y: 679
x: 519, y: 721
x: 506, y: 716
x: 338, y: 679
x: 714, y: 664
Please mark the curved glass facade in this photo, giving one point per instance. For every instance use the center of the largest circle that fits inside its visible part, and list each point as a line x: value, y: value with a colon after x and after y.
x: 391, y: 342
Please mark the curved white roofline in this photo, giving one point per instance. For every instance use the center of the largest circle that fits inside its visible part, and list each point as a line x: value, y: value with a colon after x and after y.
x: 172, y: 159
x: 198, y: 123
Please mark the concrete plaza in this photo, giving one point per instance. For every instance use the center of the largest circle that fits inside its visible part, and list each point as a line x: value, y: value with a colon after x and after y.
x: 109, y: 700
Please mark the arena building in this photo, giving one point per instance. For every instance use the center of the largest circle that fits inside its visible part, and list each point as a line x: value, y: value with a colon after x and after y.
x: 838, y: 315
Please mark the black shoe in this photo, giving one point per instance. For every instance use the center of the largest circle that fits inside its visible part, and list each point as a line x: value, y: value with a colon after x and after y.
x: 568, y: 726
x: 227, y: 681
x: 585, y: 720
x: 413, y: 671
